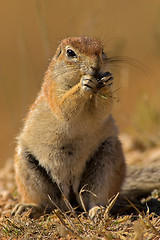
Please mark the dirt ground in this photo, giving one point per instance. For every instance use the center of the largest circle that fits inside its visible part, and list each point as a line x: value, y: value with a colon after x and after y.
x: 134, y: 215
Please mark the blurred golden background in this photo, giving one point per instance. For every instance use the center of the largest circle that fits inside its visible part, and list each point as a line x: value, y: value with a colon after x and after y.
x: 30, y: 32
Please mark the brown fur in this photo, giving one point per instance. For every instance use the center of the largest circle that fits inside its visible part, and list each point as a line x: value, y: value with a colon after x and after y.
x: 69, y: 138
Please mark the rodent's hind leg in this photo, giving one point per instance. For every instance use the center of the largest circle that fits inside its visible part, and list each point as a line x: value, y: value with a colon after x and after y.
x: 32, y: 210
x: 35, y: 184
x: 103, y: 175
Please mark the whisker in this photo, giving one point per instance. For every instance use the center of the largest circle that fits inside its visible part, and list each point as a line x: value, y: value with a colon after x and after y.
x: 66, y: 70
x: 117, y: 60
x: 114, y: 90
x: 66, y: 67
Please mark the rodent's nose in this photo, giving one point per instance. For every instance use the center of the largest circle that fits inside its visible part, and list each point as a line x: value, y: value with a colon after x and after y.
x: 91, y: 67
x: 95, y: 72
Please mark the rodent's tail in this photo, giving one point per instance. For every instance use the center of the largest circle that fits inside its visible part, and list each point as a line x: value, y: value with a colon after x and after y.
x: 141, y: 181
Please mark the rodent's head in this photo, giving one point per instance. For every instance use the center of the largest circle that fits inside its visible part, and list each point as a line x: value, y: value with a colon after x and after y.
x: 77, y: 56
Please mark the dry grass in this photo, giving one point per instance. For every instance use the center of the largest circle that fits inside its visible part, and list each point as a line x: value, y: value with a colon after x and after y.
x: 61, y: 226
x: 72, y: 225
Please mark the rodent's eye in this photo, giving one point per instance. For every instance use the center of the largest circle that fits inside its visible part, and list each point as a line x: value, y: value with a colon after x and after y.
x: 71, y: 53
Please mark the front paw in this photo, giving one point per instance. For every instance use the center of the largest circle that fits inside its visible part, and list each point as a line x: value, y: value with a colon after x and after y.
x: 31, y: 210
x: 105, y: 81
x: 89, y: 84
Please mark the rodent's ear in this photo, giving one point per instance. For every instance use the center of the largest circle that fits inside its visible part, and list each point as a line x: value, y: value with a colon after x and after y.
x: 103, y: 55
x: 58, y: 52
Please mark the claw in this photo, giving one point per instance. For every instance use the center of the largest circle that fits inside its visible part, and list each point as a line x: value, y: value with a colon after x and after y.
x: 106, y: 80
x: 89, y: 83
x: 34, y: 210
x: 96, y: 213
x: 106, y: 74
x: 109, y: 79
